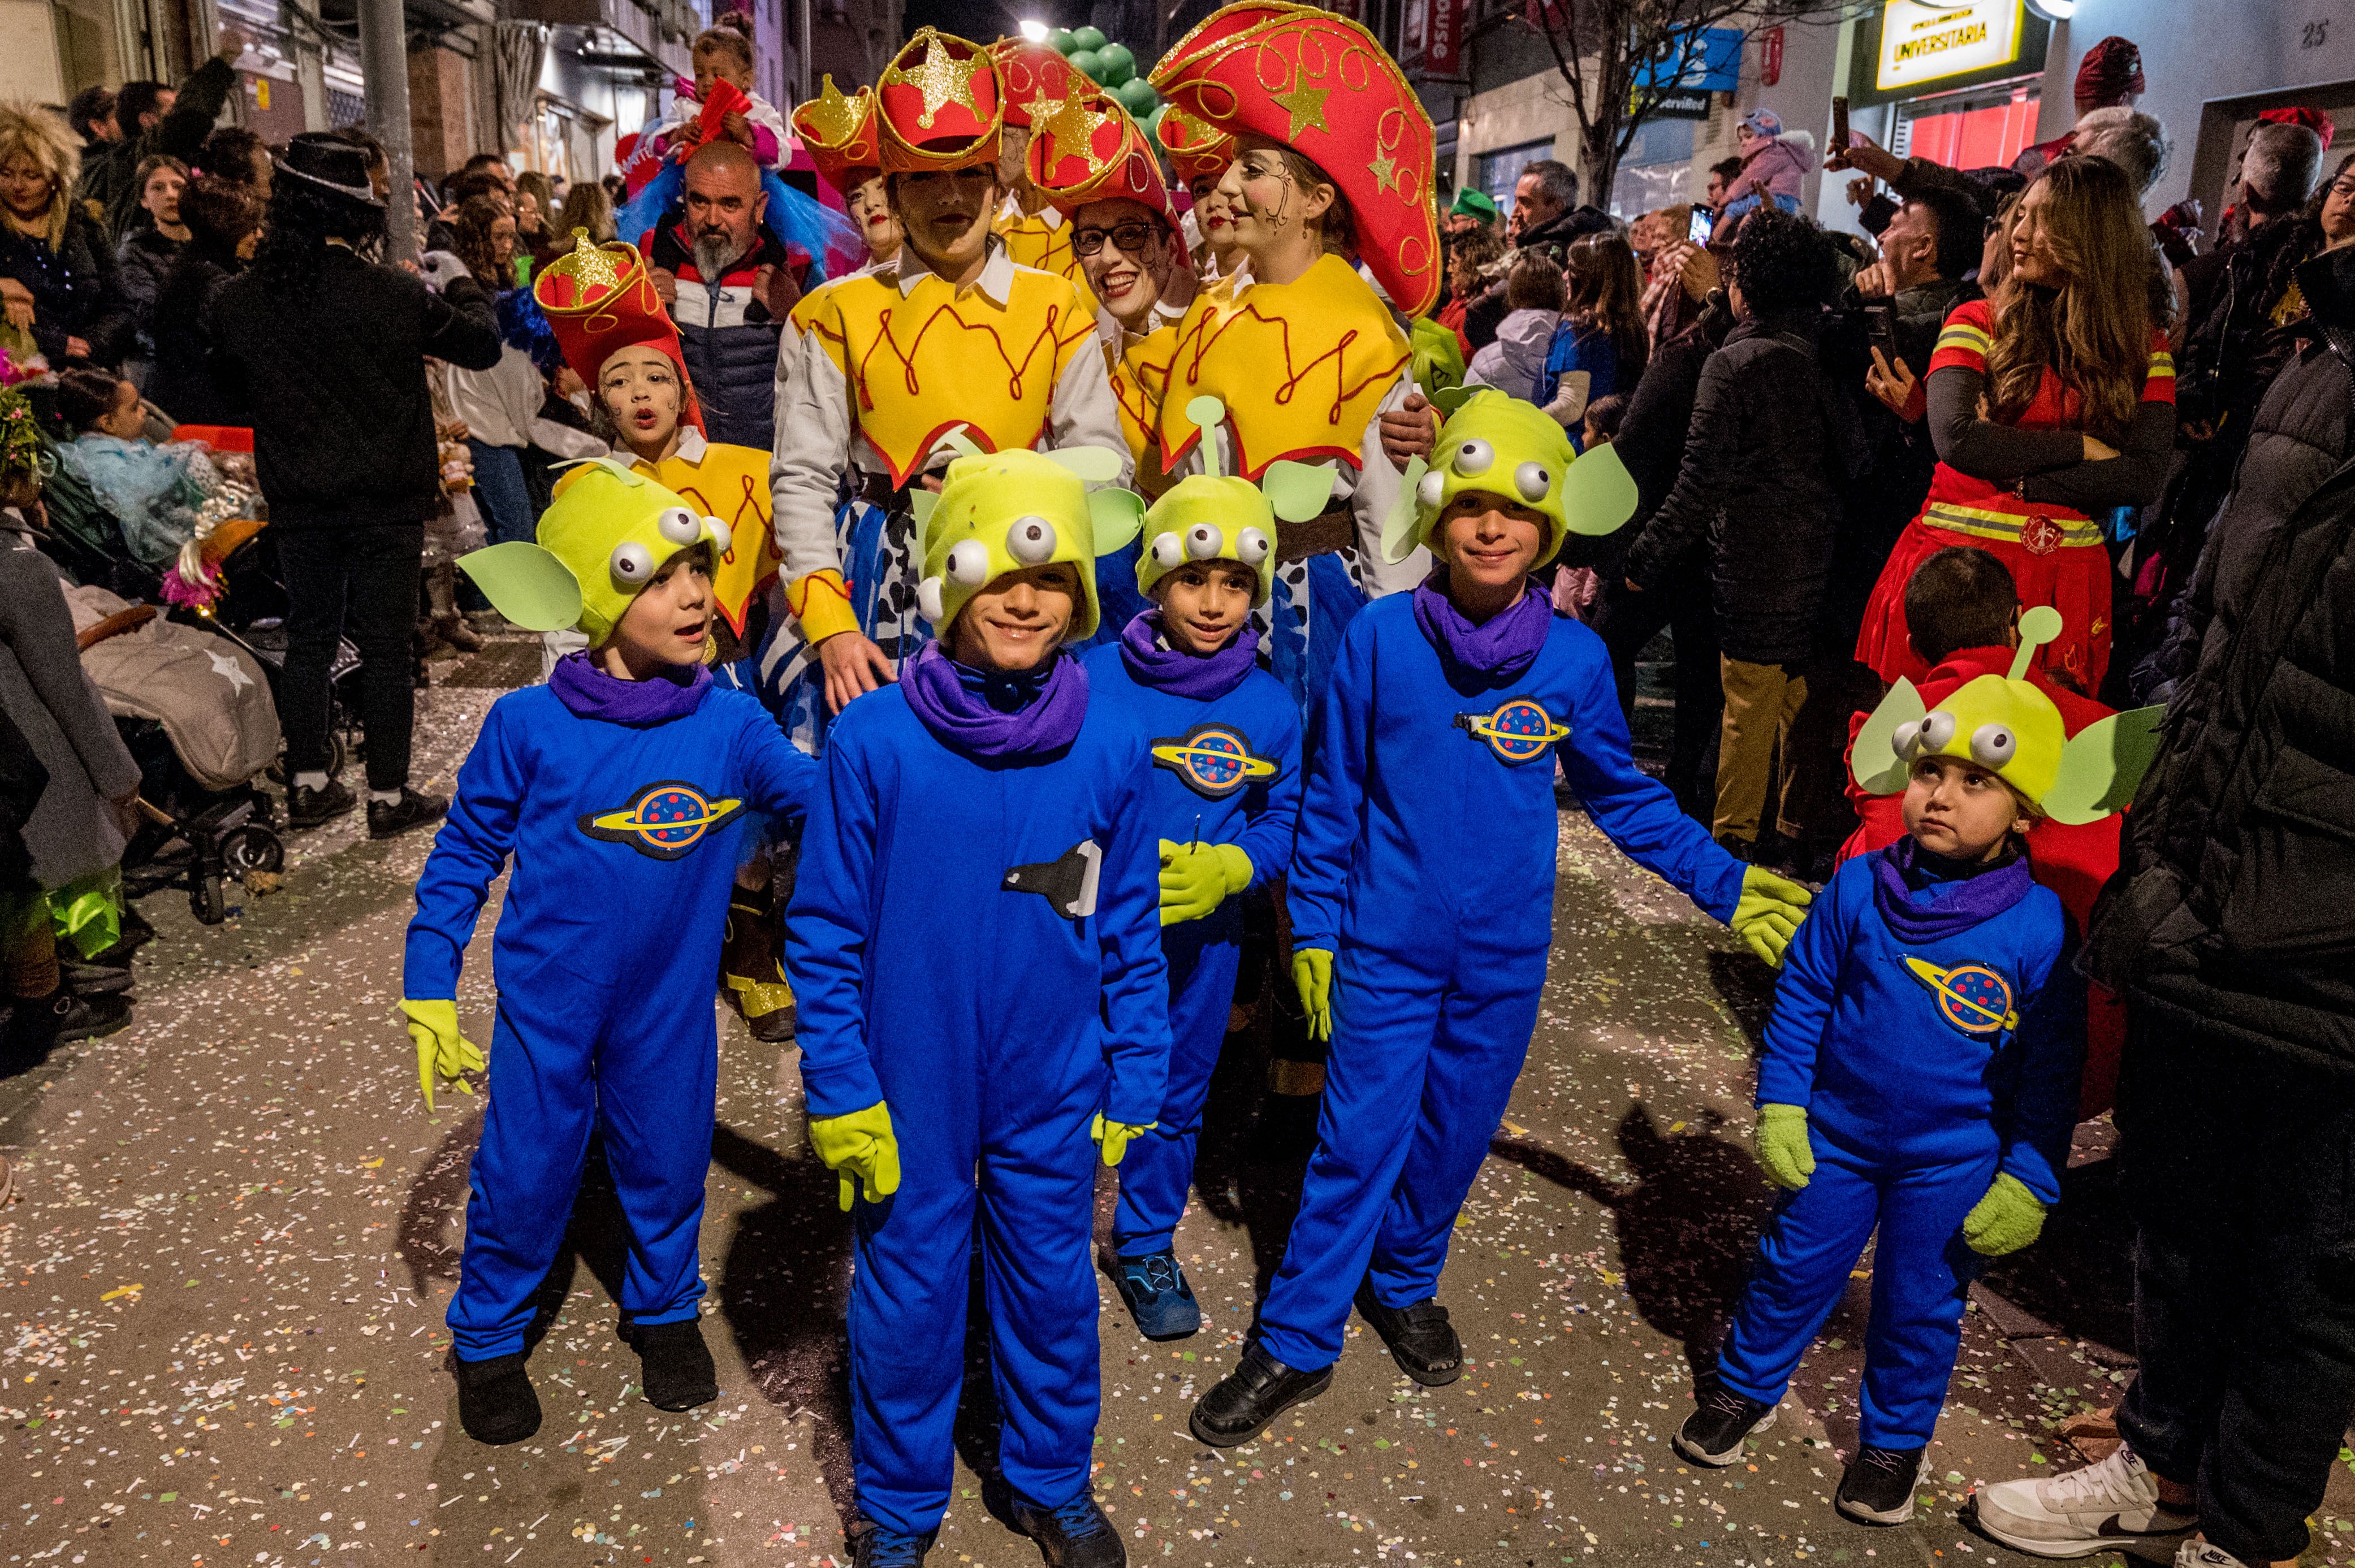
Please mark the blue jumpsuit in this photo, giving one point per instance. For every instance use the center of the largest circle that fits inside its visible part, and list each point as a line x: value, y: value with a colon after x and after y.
x: 1198, y: 788
x: 1927, y: 1068
x: 624, y: 842
x: 1426, y: 864
x: 975, y: 943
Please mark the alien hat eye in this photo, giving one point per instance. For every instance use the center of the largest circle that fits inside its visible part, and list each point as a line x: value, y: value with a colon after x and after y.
x: 1031, y: 540
x: 1905, y: 737
x: 1251, y: 546
x: 928, y: 600
x: 1168, y: 552
x: 1993, y: 745
x: 1474, y: 456
x: 1203, y: 541
x: 718, y: 533
x: 1434, y: 485
x: 679, y: 525
x: 1937, y: 731
x: 632, y: 565
x: 1532, y: 480
x: 968, y: 563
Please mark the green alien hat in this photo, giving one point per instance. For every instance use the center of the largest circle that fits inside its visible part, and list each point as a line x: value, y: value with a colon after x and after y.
x: 2006, y: 725
x: 608, y: 532
x: 1211, y: 517
x: 1005, y: 511
x: 1506, y: 447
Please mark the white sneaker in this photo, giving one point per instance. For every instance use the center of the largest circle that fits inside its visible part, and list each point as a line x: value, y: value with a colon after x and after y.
x: 2094, y: 1510
x: 2201, y: 1554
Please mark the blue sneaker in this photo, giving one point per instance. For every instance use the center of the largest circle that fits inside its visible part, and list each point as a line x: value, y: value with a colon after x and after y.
x: 1076, y: 1535
x: 1158, y: 1297
x: 881, y: 1548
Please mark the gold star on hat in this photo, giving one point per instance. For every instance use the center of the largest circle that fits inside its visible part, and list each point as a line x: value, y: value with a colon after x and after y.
x: 1306, y: 105
x: 1072, y: 131
x: 943, y: 78
x: 834, y: 117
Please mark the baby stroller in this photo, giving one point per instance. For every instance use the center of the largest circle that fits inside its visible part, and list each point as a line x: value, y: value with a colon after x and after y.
x: 195, y: 711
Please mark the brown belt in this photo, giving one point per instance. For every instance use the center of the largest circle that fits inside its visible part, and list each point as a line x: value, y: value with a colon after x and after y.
x: 1321, y: 535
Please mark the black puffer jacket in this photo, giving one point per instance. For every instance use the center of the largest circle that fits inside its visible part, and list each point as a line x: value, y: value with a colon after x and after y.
x: 2232, y: 918
x: 1759, y: 483
x: 74, y: 288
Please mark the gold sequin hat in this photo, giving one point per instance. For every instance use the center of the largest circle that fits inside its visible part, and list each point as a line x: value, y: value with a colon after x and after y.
x: 1091, y: 150
x: 1319, y: 84
x: 938, y: 107
x: 839, y: 132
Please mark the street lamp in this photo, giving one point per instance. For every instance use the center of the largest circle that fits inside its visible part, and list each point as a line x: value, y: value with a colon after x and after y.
x: 1034, y: 30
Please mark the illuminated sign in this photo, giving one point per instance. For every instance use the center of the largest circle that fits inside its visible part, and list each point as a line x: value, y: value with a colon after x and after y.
x: 1926, y: 41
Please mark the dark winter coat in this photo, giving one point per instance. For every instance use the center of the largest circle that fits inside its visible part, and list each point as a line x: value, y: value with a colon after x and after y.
x: 1554, y: 237
x: 74, y: 288
x: 335, y: 379
x: 1759, y: 483
x: 141, y: 262
x: 185, y: 381
x: 2231, y: 919
x: 108, y: 190
x: 727, y: 335
x: 1651, y: 444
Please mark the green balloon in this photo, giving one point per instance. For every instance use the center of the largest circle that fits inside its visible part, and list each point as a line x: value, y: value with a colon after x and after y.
x: 1136, y: 95
x: 1152, y: 122
x: 1062, y: 41
x: 1119, y: 65
x: 1087, y: 62
x: 1088, y: 37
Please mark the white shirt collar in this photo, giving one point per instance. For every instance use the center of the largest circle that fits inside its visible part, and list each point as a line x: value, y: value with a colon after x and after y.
x: 692, y: 444
x: 996, y: 280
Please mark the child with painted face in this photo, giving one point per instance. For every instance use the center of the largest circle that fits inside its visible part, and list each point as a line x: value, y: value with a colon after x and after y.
x: 621, y: 784
x: 1422, y: 888
x: 1223, y: 738
x: 976, y: 957
x: 1920, y: 1071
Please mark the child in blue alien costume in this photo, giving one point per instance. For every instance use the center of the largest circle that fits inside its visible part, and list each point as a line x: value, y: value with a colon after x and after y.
x: 620, y: 784
x: 1422, y: 888
x: 1920, y: 1071
x: 977, y: 955
x: 1223, y: 736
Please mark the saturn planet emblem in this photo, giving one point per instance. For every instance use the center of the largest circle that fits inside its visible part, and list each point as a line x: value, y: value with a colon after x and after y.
x: 1519, y: 731
x: 663, y: 820
x: 1972, y: 997
x: 1212, y: 760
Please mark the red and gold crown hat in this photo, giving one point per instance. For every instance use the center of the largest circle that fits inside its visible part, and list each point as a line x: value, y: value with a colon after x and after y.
x: 1038, y: 82
x: 938, y: 106
x: 1091, y: 150
x: 598, y: 300
x: 1319, y: 84
x: 840, y: 134
x: 1195, y: 150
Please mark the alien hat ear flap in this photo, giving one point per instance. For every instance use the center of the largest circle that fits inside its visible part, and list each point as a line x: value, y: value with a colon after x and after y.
x: 2004, y: 724
x: 1506, y: 448
x: 609, y: 532
x: 1000, y: 512
x: 1211, y: 517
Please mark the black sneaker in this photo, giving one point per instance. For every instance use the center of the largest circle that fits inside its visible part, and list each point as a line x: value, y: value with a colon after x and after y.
x: 386, y: 817
x: 60, y: 1017
x: 877, y: 1547
x: 676, y: 1364
x: 495, y: 1402
x: 1076, y: 1535
x: 309, y: 808
x: 1159, y: 1298
x: 1259, y: 1389
x: 1420, y: 1339
x: 1878, y: 1486
x: 92, y: 979
x: 1713, y: 1434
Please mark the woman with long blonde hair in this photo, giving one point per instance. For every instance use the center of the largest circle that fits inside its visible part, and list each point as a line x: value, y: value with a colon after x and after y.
x: 1602, y: 344
x: 2052, y: 403
x: 52, y: 248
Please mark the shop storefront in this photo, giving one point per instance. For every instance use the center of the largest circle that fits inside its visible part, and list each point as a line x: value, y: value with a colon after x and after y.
x: 1958, y: 83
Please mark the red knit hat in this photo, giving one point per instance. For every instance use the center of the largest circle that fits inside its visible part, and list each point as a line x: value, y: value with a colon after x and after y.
x: 2110, y: 70
x: 2314, y: 120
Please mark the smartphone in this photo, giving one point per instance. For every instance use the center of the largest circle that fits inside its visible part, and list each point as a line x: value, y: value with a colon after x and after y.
x: 1839, y: 124
x: 1704, y: 223
x: 1881, y: 327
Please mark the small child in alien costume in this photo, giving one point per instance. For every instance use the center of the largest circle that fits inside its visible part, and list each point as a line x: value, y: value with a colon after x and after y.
x: 1920, y: 1071
x: 1224, y: 738
x: 619, y: 788
x: 1422, y: 887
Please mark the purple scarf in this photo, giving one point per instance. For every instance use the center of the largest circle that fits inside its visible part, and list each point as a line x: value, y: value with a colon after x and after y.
x: 1205, y: 678
x: 994, y: 716
x: 593, y: 694
x: 1925, y: 896
x: 1498, y: 649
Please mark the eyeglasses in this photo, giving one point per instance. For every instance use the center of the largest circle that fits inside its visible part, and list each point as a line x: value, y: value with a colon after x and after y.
x: 1132, y: 237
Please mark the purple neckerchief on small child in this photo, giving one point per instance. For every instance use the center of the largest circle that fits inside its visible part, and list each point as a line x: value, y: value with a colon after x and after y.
x: 1905, y: 876
x: 993, y: 715
x: 592, y: 694
x: 1500, y: 648
x: 1165, y: 669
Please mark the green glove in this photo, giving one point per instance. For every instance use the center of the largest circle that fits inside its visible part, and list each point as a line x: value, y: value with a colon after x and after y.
x: 1769, y: 912
x: 1197, y: 878
x: 2006, y: 1219
x: 1311, y: 971
x: 1783, y: 1146
x: 441, y: 1050
x: 859, y: 1147
x: 1114, y: 1135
